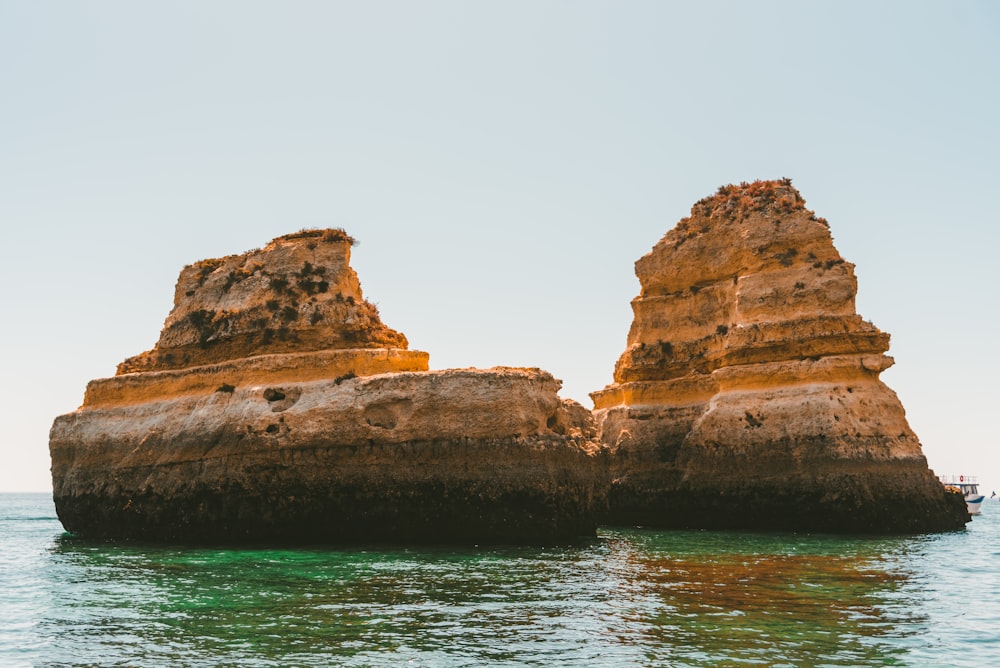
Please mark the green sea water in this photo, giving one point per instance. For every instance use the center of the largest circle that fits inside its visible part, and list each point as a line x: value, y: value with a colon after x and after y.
x: 628, y: 598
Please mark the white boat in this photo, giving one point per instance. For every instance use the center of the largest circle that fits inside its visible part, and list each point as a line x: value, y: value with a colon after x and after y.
x: 969, y: 486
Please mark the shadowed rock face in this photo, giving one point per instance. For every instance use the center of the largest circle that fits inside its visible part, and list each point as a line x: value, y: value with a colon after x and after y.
x: 276, y: 406
x: 749, y: 394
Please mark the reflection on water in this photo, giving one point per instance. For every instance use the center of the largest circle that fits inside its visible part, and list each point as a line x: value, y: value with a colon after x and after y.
x: 629, y: 598
x: 706, y: 599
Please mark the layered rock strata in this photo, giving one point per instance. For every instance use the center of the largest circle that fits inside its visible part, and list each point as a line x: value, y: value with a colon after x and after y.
x: 276, y: 406
x: 297, y: 294
x: 749, y: 393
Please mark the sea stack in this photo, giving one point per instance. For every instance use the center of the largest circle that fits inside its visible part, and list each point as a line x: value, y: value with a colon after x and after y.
x: 277, y: 407
x: 749, y: 394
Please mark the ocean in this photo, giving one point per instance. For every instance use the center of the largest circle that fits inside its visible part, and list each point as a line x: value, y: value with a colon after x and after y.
x: 630, y: 597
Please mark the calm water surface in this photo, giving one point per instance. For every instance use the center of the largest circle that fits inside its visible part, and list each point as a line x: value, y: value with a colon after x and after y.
x: 629, y: 598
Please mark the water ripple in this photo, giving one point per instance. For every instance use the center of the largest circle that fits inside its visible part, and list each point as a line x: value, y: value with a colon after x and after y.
x: 630, y: 598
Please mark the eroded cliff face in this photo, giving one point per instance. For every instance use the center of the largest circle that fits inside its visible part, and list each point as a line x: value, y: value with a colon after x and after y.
x: 459, y: 455
x: 749, y: 393
x: 276, y: 406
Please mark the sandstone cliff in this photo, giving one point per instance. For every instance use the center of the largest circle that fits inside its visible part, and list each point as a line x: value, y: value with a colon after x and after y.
x: 296, y: 294
x: 749, y: 393
x: 276, y: 406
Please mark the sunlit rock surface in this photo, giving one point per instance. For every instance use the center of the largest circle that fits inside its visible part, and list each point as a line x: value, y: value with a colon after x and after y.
x: 749, y: 393
x: 296, y: 294
x: 276, y: 406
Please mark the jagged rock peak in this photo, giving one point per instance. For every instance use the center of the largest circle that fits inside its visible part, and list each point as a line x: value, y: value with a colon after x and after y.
x: 732, y: 201
x: 751, y: 276
x: 297, y: 294
x: 740, y: 230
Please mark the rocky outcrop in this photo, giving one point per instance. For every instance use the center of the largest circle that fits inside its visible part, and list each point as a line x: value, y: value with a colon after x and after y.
x: 749, y: 394
x: 297, y: 294
x: 276, y: 406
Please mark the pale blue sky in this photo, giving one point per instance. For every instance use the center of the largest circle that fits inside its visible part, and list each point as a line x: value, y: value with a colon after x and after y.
x: 503, y: 165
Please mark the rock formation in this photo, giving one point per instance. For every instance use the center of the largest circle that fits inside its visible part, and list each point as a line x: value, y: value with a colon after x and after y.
x: 298, y: 294
x: 749, y: 394
x: 276, y: 406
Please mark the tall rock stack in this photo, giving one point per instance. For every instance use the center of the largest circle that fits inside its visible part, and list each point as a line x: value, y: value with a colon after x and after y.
x: 749, y: 394
x: 276, y: 406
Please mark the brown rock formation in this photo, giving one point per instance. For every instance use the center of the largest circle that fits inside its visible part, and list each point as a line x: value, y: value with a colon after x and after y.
x: 277, y: 406
x: 749, y: 394
x: 296, y: 294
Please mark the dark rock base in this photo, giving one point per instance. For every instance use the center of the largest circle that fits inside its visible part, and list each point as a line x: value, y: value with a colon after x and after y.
x: 510, y: 491
x: 903, y: 503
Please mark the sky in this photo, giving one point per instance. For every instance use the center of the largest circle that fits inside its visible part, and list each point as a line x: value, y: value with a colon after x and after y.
x: 503, y: 165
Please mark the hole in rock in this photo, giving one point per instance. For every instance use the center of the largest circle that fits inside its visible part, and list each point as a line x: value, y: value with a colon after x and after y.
x: 273, y: 394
